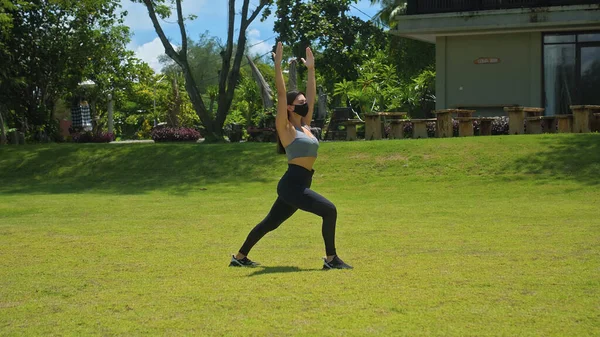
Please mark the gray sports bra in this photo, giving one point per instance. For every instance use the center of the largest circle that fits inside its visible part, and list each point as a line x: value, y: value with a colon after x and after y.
x: 302, y: 146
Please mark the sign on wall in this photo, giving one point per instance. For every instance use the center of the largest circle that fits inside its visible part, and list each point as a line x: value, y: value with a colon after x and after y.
x: 487, y: 60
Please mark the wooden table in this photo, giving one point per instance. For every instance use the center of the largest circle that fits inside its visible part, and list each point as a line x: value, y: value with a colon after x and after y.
x: 351, y: 128
x: 582, y: 115
x: 374, y: 123
x: 420, y: 127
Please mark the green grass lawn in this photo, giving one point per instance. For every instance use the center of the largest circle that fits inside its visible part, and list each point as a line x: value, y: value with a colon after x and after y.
x: 480, y: 236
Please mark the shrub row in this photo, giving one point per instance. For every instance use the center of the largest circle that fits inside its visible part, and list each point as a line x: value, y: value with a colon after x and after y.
x: 93, y: 137
x: 166, y: 134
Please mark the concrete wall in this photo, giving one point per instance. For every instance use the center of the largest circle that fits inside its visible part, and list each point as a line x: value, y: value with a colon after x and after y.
x: 516, y: 79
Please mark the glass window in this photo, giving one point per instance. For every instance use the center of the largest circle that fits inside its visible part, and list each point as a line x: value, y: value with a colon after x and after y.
x: 559, y: 77
x: 559, y: 38
x: 592, y: 37
x: 590, y: 75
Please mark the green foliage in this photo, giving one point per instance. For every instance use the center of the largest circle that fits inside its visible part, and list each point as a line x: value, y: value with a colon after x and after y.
x: 377, y: 88
x: 204, y: 59
x: 340, y: 42
x: 51, y: 47
x: 231, y: 57
x: 409, y: 56
x: 420, y: 95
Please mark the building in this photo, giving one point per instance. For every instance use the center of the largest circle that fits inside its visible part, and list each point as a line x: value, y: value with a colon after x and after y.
x: 496, y: 53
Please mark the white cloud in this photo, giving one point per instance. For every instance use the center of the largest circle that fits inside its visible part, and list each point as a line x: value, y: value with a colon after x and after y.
x: 256, y: 44
x: 137, y: 18
x: 149, y: 53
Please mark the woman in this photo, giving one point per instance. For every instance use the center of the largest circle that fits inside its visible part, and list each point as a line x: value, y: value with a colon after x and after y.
x: 294, y: 113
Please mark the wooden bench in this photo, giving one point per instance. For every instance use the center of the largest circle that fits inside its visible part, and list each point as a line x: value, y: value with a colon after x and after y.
x: 595, y: 124
x: 534, y: 124
x: 517, y: 115
x: 533, y: 112
x: 351, y: 128
x: 338, y: 117
x: 374, y: 123
x: 397, y: 128
x: 582, y: 117
x: 420, y: 127
x: 465, y: 126
x: 485, y: 125
x: 548, y: 124
x: 565, y: 123
x: 444, y: 122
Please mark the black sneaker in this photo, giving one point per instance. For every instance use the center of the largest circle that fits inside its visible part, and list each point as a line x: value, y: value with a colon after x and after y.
x: 336, y: 263
x: 245, y: 262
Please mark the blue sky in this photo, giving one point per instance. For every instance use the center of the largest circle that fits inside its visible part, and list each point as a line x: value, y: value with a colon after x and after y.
x: 212, y: 17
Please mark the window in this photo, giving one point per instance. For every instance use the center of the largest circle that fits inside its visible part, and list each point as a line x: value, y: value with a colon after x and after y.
x: 571, y: 70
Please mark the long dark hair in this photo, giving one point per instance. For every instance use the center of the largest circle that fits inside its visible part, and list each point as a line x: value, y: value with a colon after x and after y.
x: 290, y: 98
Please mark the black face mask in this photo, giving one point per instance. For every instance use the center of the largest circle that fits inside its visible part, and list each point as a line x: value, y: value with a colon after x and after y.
x: 301, y: 110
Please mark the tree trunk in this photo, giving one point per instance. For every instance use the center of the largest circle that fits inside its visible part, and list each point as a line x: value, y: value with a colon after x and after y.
x: 322, y: 105
x: 2, y: 129
x: 181, y: 59
x: 265, y: 90
x: 229, y: 76
x: 293, y: 76
x: 110, y: 111
x: 175, y: 111
x: 227, y: 88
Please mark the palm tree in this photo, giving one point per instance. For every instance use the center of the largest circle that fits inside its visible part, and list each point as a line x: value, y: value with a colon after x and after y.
x: 389, y: 9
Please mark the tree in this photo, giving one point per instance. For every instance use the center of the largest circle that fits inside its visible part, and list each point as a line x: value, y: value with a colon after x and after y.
x: 52, y: 47
x: 230, y: 72
x: 340, y: 42
x: 204, y: 57
x: 5, y: 26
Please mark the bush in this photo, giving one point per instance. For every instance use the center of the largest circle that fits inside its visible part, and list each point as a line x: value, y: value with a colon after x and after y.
x: 431, y: 128
x: 91, y: 137
x: 500, y: 126
x: 408, y: 130
x: 175, y: 135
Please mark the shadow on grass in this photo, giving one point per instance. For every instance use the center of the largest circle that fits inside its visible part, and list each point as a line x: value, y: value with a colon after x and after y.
x: 134, y: 168
x: 572, y: 157
x: 281, y: 269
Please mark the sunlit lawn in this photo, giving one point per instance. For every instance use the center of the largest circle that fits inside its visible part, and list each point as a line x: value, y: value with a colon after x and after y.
x: 449, y: 237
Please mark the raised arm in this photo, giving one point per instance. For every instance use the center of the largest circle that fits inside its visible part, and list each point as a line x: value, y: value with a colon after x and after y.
x: 311, y: 86
x: 281, y: 119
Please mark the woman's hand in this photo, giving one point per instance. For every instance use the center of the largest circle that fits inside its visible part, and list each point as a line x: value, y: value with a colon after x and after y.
x: 278, y: 54
x: 309, y: 62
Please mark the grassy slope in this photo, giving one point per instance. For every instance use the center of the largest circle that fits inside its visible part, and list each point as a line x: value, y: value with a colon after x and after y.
x: 471, y: 236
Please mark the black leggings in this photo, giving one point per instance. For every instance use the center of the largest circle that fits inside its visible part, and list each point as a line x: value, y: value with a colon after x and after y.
x: 294, y: 193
